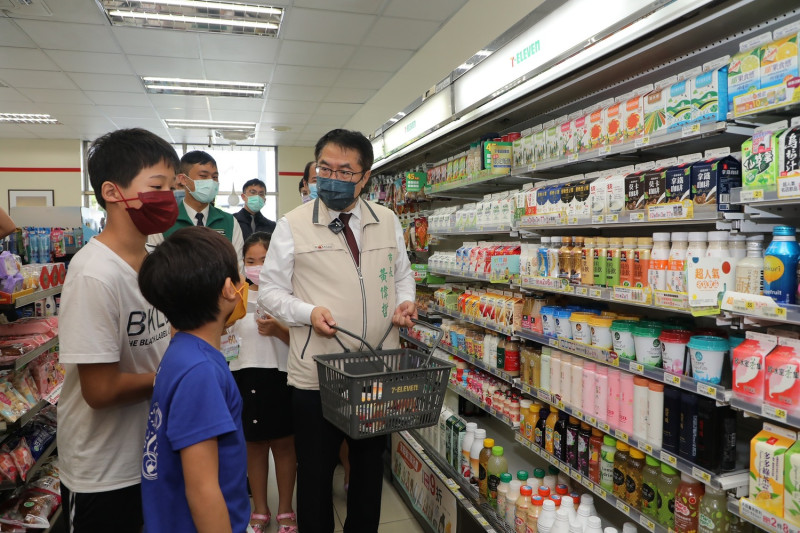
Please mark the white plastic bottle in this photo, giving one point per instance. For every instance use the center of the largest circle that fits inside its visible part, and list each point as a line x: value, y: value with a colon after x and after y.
x: 474, y: 454
x: 564, y: 479
x: 511, y: 501
x: 582, y: 518
x: 561, y: 525
x: 555, y: 373
x: 718, y: 245
x: 677, y: 261
x: 610, y: 530
x: 659, y: 262
x: 750, y: 270
x: 466, y: 447
x: 566, y: 379
x: 594, y: 525
x: 587, y: 502
x: 569, y: 504
x: 547, y: 517
x: 552, y: 257
x: 629, y: 527
x: 544, y: 374
x: 738, y: 246
x: 698, y: 245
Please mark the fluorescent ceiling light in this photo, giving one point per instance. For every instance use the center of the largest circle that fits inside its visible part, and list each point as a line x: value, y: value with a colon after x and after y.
x: 195, y: 15
x: 210, y: 125
x: 203, y: 87
x: 25, y: 118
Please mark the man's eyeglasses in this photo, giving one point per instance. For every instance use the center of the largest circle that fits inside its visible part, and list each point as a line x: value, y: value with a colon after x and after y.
x: 348, y: 175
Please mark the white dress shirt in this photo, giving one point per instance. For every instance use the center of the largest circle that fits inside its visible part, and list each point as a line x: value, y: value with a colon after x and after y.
x: 236, y: 236
x: 275, y: 283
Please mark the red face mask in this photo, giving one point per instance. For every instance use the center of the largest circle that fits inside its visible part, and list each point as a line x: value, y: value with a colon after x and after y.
x: 158, y: 212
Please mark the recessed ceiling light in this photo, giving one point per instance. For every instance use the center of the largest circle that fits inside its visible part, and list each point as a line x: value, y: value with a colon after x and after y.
x: 210, y: 125
x: 203, y: 87
x: 280, y: 128
x: 218, y: 16
x: 25, y: 118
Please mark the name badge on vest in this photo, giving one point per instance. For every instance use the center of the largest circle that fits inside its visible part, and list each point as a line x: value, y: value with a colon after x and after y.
x: 229, y: 346
x: 220, y: 231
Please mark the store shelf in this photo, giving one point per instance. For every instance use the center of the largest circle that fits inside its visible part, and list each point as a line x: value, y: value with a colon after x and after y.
x: 610, y: 358
x: 461, y: 391
x: 750, y: 512
x: 30, y: 298
x: 759, y: 307
x: 643, y: 520
x: 486, y: 229
x: 434, y: 463
x: 765, y: 410
x: 8, y: 428
x: 482, y: 323
x: 476, y: 186
x: 725, y: 481
x: 30, y: 356
x: 625, y: 219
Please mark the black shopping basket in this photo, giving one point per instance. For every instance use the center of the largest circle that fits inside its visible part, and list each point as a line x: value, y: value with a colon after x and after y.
x: 375, y: 392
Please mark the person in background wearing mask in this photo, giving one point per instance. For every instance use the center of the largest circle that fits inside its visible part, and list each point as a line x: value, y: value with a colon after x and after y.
x: 308, y: 185
x: 193, y: 463
x: 254, y: 194
x: 111, y: 338
x: 199, y: 178
x: 338, y: 260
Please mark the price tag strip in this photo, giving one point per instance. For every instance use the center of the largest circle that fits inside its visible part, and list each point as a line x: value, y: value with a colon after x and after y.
x: 761, y: 518
x: 672, y: 211
x: 788, y: 187
x: 672, y: 300
x: 631, y: 295
x: 753, y: 305
x: 547, y: 284
x: 773, y: 412
x: 751, y: 195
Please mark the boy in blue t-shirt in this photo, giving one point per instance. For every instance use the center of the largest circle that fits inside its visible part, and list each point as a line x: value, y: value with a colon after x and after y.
x: 194, y: 466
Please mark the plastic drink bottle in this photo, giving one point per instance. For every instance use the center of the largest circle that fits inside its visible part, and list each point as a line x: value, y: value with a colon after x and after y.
x: 713, y: 516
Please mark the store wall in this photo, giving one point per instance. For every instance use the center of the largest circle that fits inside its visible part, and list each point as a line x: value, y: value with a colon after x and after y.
x: 291, y: 162
x: 476, y: 24
x: 34, y: 164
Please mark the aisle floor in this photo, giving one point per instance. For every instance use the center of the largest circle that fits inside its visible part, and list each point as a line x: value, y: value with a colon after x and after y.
x: 396, y: 517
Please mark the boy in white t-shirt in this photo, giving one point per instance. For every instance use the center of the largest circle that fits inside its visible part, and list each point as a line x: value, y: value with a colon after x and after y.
x: 111, y: 338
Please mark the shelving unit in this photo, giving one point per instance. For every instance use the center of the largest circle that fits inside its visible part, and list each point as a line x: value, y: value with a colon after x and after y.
x: 21, y: 361
x: 8, y: 428
x: 746, y: 510
x: 30, y: 298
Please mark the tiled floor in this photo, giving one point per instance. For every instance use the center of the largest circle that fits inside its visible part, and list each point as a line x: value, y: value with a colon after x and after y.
x: 395, y: 516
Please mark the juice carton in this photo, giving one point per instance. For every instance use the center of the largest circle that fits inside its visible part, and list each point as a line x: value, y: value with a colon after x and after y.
x: 767, y: 450
x: 614, y: 115
x: 550, y: 140
x: 539, y: 144
x: 563, y: 136
x: 779, y: 57
x: 749, y: 365
x: 760, y: 157
x: 789, y: 152
x: 744, y: 70
x: 713, y: 179
x: 597, y: 125
x: 634, y: 113
x: 515, y: 318
x: 527, y: 148
x: 791, y: 480
x: 518, y: 152
x: 710, y: 92
x: 655, y: 107
x: 582, y: 140
x: 679, y: 100
x: 782, y: 382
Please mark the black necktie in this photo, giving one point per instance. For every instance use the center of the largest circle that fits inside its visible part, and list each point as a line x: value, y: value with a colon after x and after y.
x: 199, y: 217
x: 349, y: 237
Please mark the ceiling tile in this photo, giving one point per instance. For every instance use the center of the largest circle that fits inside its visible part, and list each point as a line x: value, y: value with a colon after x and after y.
x: 25, y: 58
x: 153, y: 125
x: 242, y: 104
x: 123, y: 111
x: 116, y: 98
x: 440, y: 10
x: 253, y: 49
x: 60, y: 110
x: 349, y: 96
x: 329, y: 108
x: 41, y: 79
x: 296, y: 92
x: 383, y: 59
x: 293, y: 75
x: 326, y: 26
x: 174, y: 100
x: 314, y: 54
x: 23, y: 107
x: 67, y: 36
x: 184, y: 114
x: 292, y: 119
x: 145, y: 42
x: 9, y: 94
x: 91, y: 62
x: 94, y: 124
x: 408, y: 34
x: 50, y: 131
x: 353, y: 6
x: 329, y: 121
x: 11, y: 35
x: 110, y: 83
x: 289, y: 106
x: 235, y: 116
x: 56, y: 96
x: 14, y: 131
x: 363, y: 79
x: 167, y: 67
x: 236, y: 71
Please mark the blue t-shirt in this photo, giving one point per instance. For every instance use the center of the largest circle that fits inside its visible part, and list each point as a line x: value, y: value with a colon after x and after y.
x: 195, y: 399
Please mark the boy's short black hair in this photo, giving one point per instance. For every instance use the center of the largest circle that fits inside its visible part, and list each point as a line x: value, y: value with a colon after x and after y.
x: 196, y: 157
x: 254, y: 181
x: 120, y: 155
x: 184, y: 276
x: 351, y: 140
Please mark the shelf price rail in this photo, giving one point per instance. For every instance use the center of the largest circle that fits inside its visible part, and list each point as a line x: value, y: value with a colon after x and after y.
x: 750, y: 512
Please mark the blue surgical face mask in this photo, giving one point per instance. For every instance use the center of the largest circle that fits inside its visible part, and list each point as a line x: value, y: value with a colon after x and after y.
x: 205, y: 191
x: 312, y: 190
x: 255, y: 203
x: 180, y: 194
x: 336, y: 194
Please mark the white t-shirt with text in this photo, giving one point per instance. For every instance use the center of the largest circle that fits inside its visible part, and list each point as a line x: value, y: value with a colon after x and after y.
x: 104, y: 319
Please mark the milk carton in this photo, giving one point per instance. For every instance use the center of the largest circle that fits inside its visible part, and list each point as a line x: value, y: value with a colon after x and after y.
x: 679, y: 178
x: 749, y: 365
x: 710, y: 92
x: 581, y: 202
x: 563, y: 137
x: 597, y: 193
x: 615, y: 190
x: 767, y: 469
x: 782, y: 380
x: 527, y: 148
x: 634, y: 113
x: 679, y: 100
x: 614, y: 125
x: 655, y: 107
x: 744, y: 70
x: 518, y: 152
x: 582, y: 140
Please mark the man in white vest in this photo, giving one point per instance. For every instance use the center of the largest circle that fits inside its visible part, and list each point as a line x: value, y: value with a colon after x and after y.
x: 338, y: 260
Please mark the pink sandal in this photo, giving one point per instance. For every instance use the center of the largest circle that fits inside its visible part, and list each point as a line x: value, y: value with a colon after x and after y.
x: 264, y: 518
x: 287, y: 516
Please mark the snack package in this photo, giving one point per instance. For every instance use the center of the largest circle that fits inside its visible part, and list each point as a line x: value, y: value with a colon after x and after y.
x: 12, y: 406
x: 30, y: 509
x: 8, y: 468
x: 23, y: 459
x: 22, y: 383
x: 39, y: 436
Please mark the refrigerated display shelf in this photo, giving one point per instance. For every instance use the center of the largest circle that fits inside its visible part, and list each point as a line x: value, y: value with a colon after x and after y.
x: 642, y: 519
x: 30, y: 356
x: 505, y: 330
x: 461, y: 391
x: 760, y: 308
x: 484, y: 229
x: 750, y: 512
x: 534, y: 223
x: 765, y: 410
x: 431, y: 461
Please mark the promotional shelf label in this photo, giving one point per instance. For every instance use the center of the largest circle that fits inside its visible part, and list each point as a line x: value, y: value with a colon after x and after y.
x: 751, y: 195
x: 672, y: 211
x: 753, y: 304
x: 709, y: 278
x: 789, y: 187
x: 672, y: 300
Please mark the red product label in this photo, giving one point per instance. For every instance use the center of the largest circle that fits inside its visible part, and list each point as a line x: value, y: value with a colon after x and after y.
x: 511, y: 363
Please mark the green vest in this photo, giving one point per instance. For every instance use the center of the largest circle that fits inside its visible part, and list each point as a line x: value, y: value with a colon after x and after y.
x: 217, y: 220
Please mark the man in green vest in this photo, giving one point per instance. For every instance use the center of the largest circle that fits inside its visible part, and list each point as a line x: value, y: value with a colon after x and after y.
x: 200, y: 179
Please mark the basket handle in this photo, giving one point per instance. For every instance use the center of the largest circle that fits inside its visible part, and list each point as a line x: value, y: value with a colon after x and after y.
x: 370, y: 348
x: 439, y: 337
